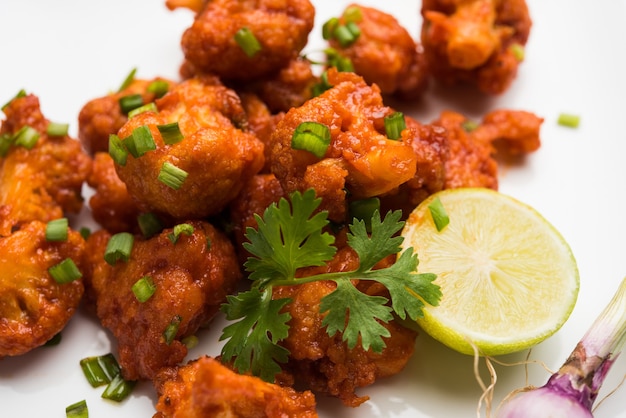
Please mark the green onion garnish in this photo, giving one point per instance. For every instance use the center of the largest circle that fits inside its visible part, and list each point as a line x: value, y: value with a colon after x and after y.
x: 148, y: 107
x: 84, y: 232
x: 56, y: 230
x: 171, y: 133
x: 172, y: 176
x: 569, y: 120
x: 21, y: 93
x: 118, y: 389
x: 439, y: 214
x: 149, y: 224
x: 100, y: 370
x: 172, y: 329
x: 247, y: 41
x: 65, y: 272
x: 364, y: 209
x: 128, y: 80
x: 77, y: 410
x: 56, y: 340
x: 322, y: 86
x: 328, y: 28
x: 394, y: 125
x: 144, y: 288
x: 347, y: 34
x: 6, y: 140
x: 119, y: 247
x: 117, y: 150
x: 26, y: 137
x: 353, y: 14
x: 130, y: 102
x: 313, y: 137
x: 186, y: 229
x: 158, y: 88
x: 190, y: 341
x: 469, y: 125
x: 335, y: 59
x: 518, y: 51
x: 57, y: 129
x: 140, y: 141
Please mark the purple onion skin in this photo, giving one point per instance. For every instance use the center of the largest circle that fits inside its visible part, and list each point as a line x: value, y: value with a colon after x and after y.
x: 544, y: 402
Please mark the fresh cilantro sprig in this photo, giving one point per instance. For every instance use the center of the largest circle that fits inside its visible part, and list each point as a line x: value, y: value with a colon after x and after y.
x: 290, y: 237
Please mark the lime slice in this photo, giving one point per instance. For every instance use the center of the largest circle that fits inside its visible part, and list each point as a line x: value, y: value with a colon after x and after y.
x: 509, y: 279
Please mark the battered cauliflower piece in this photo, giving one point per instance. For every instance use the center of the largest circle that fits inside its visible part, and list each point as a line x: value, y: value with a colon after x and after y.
x: 217, y: 152
x: 280, y: 27
x: 41, y: 183
x: 475, y: 41
x: 34, y: 307
x: 192, y: 278
x: 104, y: 116
x: 383, y: 53
x: 206, y: 388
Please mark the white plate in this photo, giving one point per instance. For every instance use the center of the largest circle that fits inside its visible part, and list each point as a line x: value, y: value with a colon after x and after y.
x: 70, y: 51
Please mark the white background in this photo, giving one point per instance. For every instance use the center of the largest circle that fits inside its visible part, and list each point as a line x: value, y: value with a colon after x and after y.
x: 70, y: 51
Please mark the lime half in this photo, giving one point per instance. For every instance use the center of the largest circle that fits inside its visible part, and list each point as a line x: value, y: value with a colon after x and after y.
x: 509, y: 279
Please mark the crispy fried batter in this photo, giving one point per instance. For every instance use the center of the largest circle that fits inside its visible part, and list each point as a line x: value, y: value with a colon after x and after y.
x: 192, y: 278
x: 33, y: 306
x: 206, y: 388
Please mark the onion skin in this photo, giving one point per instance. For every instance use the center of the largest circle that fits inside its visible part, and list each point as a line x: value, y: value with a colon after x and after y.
x: 544, y: 402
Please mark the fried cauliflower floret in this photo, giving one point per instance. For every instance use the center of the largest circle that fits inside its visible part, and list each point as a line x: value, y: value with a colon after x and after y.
x: 474, y: 41
x: 34, y: 307
x: 360, y: 158
x: 206, y: 388
x: 281, y: 28
x: 103, y: 116
x: 217, y: 155
x: 384, y: 53
x: 192, y: 278
x: 41, y: 183
x: 194, y: 5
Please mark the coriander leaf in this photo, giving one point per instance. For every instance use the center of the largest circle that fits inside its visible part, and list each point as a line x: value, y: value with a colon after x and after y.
x: 253, y: 340
x: 288, y: 238
x: 363, y: 312
x: 381, y: 243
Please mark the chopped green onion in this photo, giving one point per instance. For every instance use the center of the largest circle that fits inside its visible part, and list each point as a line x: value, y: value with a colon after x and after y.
x: 27, y: 137
x: 394, y: 125
x: 6, y: 140
x: 569, y: 120
x: 186, y: 229
x: 65, y: 272
x: 518, y: 51
x: 119, y: 247
x: 148, y: 107
x: 328, y: 28
x: 190, y: 341
x: 335, y: 59
x: 347, y: 34
x: 84, y: 232
x: 56, y: 340
x: 128, y: 80
x: 172, y: 176
x: 56, y: 230
x: 469, y: 125
x: 130, y: 102
x: 140, y: 141
x: 21, y: 93
x: 171, y: 330
x: 313, y: 137
x: 77, y: 410
x: 171, y: 133
x: 149, y: 224
x: 57, y: 129
x: 118, y: 389
x: 353, y: 14
x: 439, y: 214
x: 144, y: 288
x: 117, y: 150
x: 158, y: 88
x: 322, y: 86
x: 100, y: 370
x: 247, y: 42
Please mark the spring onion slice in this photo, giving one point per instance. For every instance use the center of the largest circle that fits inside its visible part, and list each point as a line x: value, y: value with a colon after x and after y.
x: 140, y: 141
x: 394, y: 125
x: 353, y: 14
x: 328, y: 28
x: 518, y: 51
x: 190, y: 341
x: 186, y: 229
x: 172, y: 176
x: 569, y: 120
x: 65, y: 271
x: 26, y: 137
x: 148, y: 107
x: 77, y: 410
x: 118, y: 389
x: 247, y: 42
x: 158, y: 88
x: 57, y: 129
x: 56, y: 230
x: 56, y: 340
x: 149, y: 224
x: 128, y: 80
x: 144, y: 288
x: 335, y: 59
x: 6, y: 140
x: 469, y: 125
x: 170, y: 133
x: 100, y: 370
x: 117, y: 150
x: 130, y: 102
x: 313, y: 137
x: 84, y: 232
x: 172, y: 329
x: 119, y: 247
x: 20, y: 94
x: 439, y: 214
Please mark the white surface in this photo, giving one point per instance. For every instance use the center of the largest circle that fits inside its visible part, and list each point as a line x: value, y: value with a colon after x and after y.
x: 70, y: 51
